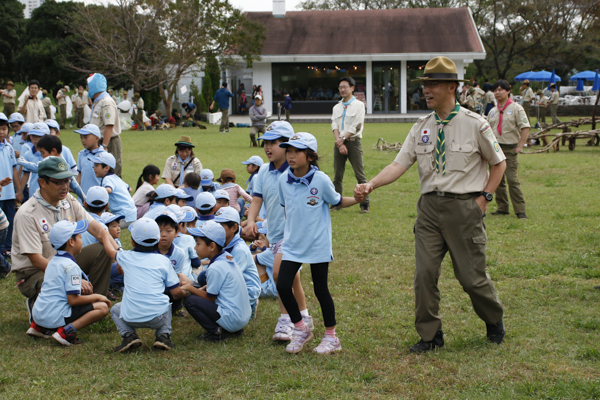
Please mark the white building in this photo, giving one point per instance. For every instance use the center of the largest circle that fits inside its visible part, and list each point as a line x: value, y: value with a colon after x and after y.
x: 31, y: 5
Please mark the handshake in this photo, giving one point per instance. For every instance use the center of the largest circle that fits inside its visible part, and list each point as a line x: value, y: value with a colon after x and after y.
x: 362, y: 190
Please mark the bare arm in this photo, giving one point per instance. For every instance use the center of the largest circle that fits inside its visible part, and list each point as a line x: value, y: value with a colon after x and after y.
x: 524, y: 136
x: 348, y: 202
x: 198, y: 292
x: 80, y: 300
x: 18, y: 185
x: 169, y: 181
x: 253, y: 213
x: 388, y: 175
x: 496, y: 174
x: 38, y: 261
x: 178, y: 293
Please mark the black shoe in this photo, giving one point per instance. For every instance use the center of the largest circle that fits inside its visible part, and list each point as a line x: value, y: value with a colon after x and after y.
x: 496, y: 332
x: 220, y: 336
x: 521, y: 215
x: 597, y: 287
x: 364, y: 209
x: 423, y: 346
x: 500, y: 213
x: 130, y: 341
x: 164, y: 342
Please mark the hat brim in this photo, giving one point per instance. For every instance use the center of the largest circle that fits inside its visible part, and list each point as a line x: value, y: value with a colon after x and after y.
x: 295, y: 144
x: 197, y: 232
x: 84, y: 132
x: 37, y: 133
x: 426, y: 79
x: 115, y: 218
x: 82, y: 226
x: 186, y: 198
x: 60, y: 175
x: 189, y: 217
x: 270, y: 136
x: 205, y: 183
x: 185, y: 144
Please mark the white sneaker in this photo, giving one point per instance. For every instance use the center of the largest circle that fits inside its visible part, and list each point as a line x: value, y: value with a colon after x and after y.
x: 299, y: 339
x: 328, y: 345
x: 284, y: 329
x: 308, y: 321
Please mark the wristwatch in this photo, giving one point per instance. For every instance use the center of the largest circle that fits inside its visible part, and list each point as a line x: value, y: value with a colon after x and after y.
x: 343, y: 137
x: 488, y: 196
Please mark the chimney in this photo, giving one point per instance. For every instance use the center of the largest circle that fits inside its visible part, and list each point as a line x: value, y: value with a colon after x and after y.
x: 279, y: 8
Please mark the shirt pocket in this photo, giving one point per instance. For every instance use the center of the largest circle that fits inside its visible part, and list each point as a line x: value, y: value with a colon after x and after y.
x: 458, y: 156
x: 426, y: 159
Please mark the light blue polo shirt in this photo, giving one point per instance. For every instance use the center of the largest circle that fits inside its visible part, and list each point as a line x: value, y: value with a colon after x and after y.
x: 155, y: 209
x: 30, y: 162
x: 17, y: 143
x: 119, y: 200
x: 86, y: 168
x: 266, y: 186
x: 68, y: 156
x: 87, y: 237
x: 307, y: 236
x: 61, y: 278
x: 187, y: 243
x: 214, y: 186
x: 225, y: 281
x: 7, y: 162
x: 146, y: 276
x: 243, y: 258
x: 202, y: 219
x: 180, y: 262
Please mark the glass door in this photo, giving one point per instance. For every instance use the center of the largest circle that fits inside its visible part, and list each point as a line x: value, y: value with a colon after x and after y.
x: 386, y: 87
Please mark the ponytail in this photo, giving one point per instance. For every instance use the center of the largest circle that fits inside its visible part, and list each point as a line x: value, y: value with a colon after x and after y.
x: 148, y: 171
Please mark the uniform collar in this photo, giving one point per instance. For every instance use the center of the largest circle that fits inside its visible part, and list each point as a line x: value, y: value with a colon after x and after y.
x: 306, y: 179
x: 281, y: 169
x: 215, y: 258
x: 171, y: 250
x: 145, y: 251
x: 65, y: 254
x: 61, y: 204
x: 206, y: 217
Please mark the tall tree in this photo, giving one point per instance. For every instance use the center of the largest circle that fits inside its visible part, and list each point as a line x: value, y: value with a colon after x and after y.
x: 11, y: 35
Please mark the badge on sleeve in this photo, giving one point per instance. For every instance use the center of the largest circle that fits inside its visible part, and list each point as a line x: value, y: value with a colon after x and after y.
x: 492, y: 114
x: 44, y: 225
x: 75, y: 280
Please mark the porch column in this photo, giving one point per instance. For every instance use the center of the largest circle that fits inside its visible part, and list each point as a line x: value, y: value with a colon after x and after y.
x: 369, y: 93
x: 403, y: 86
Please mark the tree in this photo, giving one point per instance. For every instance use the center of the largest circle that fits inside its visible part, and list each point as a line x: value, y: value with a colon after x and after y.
x: 11, y: 34
x: 207, y: 89
x: 212, y: 69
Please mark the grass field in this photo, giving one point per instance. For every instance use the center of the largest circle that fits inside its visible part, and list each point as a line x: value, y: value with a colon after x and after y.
x: 544, y: 269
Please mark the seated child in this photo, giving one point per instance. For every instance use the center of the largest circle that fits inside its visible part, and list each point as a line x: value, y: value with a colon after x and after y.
x: 119, y: 200
x: 252, y: 164
x: 183, y: 240
x: 206, y: 180
x: 111, y: 221
x: 163, y: 196
x: 229, y: 218
x: 183, y: 197
x: 191, y: 185
x: 66, y: 152
x: 222, y: 198
x: 222, y: 307
x: 263, y: 258
x: 183, y: 162
x: 149, y: 177
x: 61, y: 303
x: 146, y: 275
x: 205, y: 205
x: 96, y: 203
x: 234, y: 191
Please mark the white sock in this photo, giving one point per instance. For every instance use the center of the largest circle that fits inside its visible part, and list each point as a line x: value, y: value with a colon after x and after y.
x: 304, y: 313
x: 286, y: 316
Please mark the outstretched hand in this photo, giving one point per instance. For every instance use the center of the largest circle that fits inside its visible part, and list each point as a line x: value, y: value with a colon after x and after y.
x: 361, y: 191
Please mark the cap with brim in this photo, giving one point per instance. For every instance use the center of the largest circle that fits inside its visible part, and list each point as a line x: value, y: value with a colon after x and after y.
x: 181, y: 194
x: 227, y: 214
x: 226, y: 174
x: 104, y: 157
x: 110, y: 217
x: 256, y: 160
x: 96, y: 196
x: 258, y: 96
x: 553, y: 85
x: 62, y: 231
x: 39, y: 129
x: 167, y: 214
x: 278, y: 129
x: 25, y: 128
x: 440, y: 69
x: 185, y: 141
x: 174, y: 208
x: 205, y: 201
x: 3, y: 117
x: 54, y: 167
x: 211, y: 230
x: 124, y: 106
x: 221, y: 194
x: 52, y: 124
x: 16, y: 117
x: 301, y: 140
x: 206, y: 177
x: 190, y: 214
x: 89, y: 129
x: 145, y: 232
x: 165, y: 190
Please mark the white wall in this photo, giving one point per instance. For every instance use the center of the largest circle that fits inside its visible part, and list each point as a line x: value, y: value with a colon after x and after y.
x: 261, y: 75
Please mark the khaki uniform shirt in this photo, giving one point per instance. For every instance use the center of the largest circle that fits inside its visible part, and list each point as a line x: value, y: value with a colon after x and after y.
x: 513, y: 120
x: 34, y: 112
x: 139, y: 105
x: 470, y: 147
x: 478, y: 95
x: 173, y: 168
x: 60, y: 98
x: 353, y: 122
x: 47, y: 103
x: 106, y: 113
x: 542, y: 101
x: 32, y: 225
x: 489, y: 97
x: 10, y: 100
x: 528, y: 96
x: 554, y: 98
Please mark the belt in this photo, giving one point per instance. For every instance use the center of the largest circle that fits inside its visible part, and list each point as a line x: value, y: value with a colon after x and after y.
x: 458, y: 196
x: 352, y: 139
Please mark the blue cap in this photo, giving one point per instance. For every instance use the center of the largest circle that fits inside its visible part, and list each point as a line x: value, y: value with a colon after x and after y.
x: 262, y: 227
x: 278, y: 129
x: 206, y: 177
x: 181, y: 194
x: 145, y: 229
x: 302, y: 140
x: 190, y: 214
x: 256, y: 160
x: 96, y: 84
x: 3, y: 117
x: 175, y: 209
x: 89, y: 129
x: 39, y: 129
x: 26, y: 127
x: 110, y: 217
x: 104, y: 157
x: 212, y: 230
x: 52, y: 124
x: 168, y: 214
x: 16, y: 117
x: 205, y: 201
x: 62, y: 231
x: 227, y: 214
x: 165, y: 190
x: 221, y: 194
x: 96, y: 196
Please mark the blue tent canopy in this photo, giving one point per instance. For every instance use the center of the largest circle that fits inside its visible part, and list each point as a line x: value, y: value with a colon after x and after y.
x: 524, y: 75
x: 579, y: 87
x: 596, y: 86
x: 585, y: 75
x: 543, y: 76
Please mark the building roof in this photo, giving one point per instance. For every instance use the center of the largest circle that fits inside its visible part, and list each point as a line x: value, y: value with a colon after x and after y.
x: 417, y: 30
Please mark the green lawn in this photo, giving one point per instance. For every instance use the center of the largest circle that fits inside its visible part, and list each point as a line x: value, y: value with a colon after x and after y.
x: 544, y: 269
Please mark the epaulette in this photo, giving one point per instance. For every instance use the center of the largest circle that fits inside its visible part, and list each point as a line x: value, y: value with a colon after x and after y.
x: 425, y: 117
x: 475, y: 115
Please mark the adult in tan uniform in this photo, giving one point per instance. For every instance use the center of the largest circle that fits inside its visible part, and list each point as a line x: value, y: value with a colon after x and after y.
x: 453, y: 148
x: 80, y: 102
x: 182, y: 163
x: 139, y: 111
x: 554, y: 104
x: 8, y: 96
x: 47, y: 103
x: 528, y: 96
x: 105, y: 116
x: 32, y: 108
x: 511, y: 127
x: 31, y: 248
x: 542, y: 104
x: 61, y: 101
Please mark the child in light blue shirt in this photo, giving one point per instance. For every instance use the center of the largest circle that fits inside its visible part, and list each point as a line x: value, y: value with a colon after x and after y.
x: 62, y: 303
x: 207, y: 181
x: 30, y: 159
x: 163, y: 196
x: 66, y: 152
x: 187, y: 219
x: 89, y: 135
x: 263, y: 258
x: 205, y: 205
x: 96, y: 203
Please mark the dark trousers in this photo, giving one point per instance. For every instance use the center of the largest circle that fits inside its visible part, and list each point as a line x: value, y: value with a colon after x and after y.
x: 355, y: 156
x: 204, y: 312
x: 287, y: 273
x: 8, y: 206
x: 4, y: 264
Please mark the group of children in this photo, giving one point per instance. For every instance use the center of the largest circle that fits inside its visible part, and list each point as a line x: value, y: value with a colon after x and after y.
x: 189, y: 240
